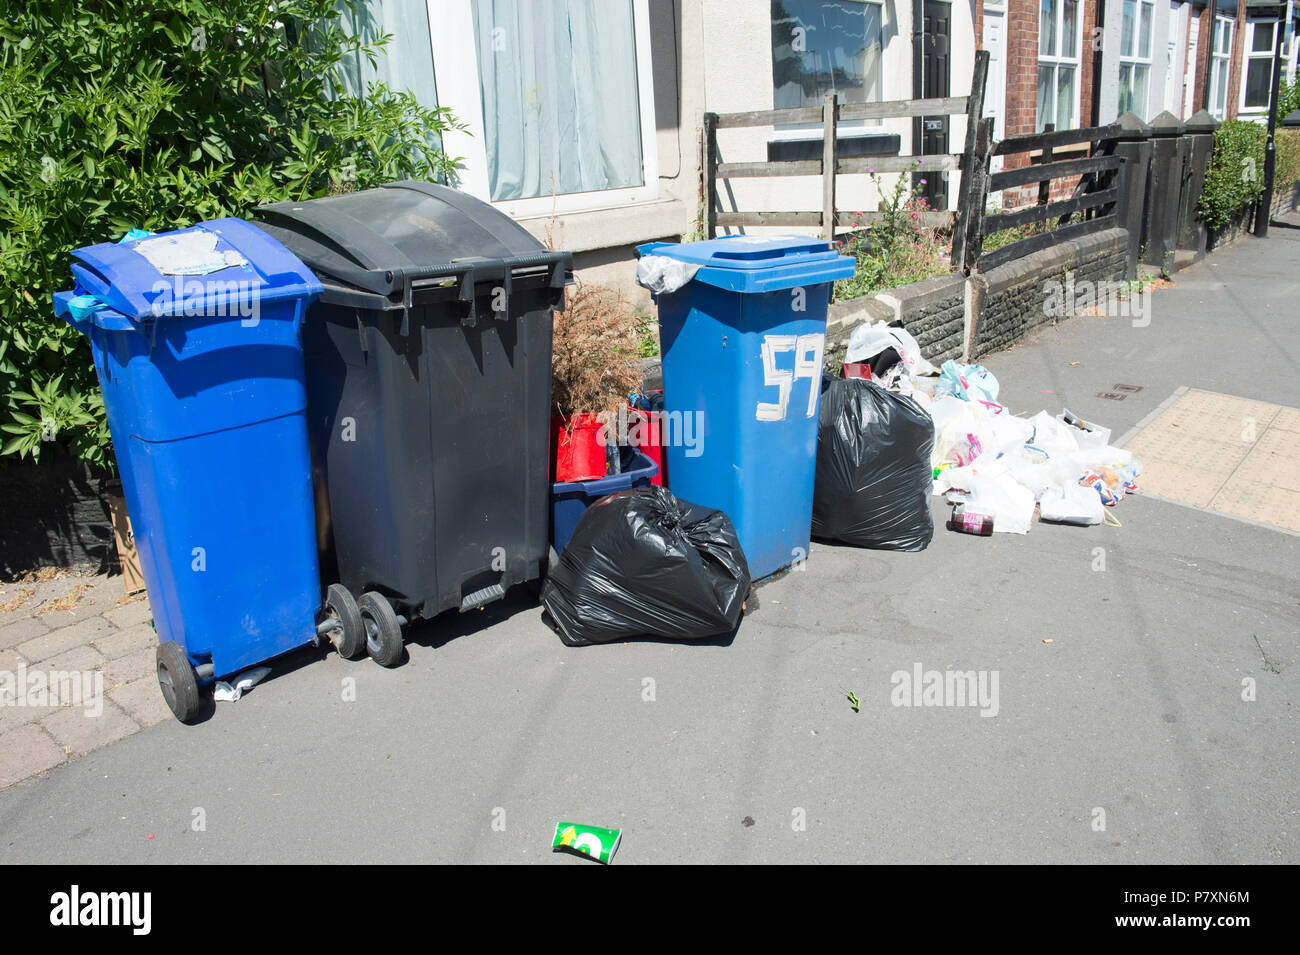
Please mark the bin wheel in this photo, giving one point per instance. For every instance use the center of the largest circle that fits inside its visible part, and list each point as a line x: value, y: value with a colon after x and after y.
x: 383, y: 632
x: 349, y: 637
x: 179, y: 684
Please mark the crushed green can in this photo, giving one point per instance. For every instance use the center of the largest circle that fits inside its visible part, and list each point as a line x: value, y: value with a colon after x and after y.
x: 590, y: 841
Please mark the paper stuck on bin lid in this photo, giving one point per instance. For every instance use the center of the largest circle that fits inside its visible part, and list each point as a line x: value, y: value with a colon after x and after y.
x: 660, y: 274
x: 188, y: 253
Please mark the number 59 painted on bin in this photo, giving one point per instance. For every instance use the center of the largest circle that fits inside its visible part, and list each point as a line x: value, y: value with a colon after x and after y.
x: 807, y: 364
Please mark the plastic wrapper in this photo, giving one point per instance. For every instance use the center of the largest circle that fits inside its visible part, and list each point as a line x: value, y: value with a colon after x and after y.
x: 881, y: 346
x: 643, y: 563
x: 662, y: 273
x: 968, y: 382
x: 873, y: 480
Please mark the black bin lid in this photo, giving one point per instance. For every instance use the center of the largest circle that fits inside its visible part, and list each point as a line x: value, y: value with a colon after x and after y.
x: 389, y: 239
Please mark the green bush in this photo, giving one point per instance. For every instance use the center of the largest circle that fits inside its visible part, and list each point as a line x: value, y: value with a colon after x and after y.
x: 896, y: 248
x: 158, y: 114
x: 1286, y: 171
x: 1235, y: 177
x: 1288, y: 98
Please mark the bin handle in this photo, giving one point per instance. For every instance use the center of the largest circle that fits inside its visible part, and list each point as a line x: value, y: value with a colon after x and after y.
x: 469, y: 271
x: 90, y: 278
x: 61, y: 310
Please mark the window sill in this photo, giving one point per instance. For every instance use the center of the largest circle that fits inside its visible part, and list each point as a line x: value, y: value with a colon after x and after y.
x: 611, y: 226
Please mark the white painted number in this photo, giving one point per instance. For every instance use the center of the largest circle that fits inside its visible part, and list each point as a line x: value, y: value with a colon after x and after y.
x: 807, y: 364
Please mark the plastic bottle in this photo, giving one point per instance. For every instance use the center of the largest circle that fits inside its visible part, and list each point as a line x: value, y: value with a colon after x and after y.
x: 970, y: 522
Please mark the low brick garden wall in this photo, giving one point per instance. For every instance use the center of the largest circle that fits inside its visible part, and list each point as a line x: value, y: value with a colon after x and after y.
x: 1010, y: 301
x: 952, y: 316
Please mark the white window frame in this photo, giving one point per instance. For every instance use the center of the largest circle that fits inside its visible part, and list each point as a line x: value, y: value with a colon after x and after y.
x: 1293, y: 47
x: 1134, y: 58
x: 1247, y: 54
x: 1056, y: 61
x: 455, y: 67
x: 800, y: 132
x: 1223, y: 27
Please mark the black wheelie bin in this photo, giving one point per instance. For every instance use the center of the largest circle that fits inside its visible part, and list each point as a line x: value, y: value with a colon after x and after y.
x: 428, y: 360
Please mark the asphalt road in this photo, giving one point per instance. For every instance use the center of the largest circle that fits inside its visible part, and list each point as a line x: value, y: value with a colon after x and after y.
x: 1123, y: 740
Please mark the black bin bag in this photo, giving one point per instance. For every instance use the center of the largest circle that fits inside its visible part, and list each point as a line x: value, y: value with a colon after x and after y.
x: 642, y: 563
x: 873, y: 481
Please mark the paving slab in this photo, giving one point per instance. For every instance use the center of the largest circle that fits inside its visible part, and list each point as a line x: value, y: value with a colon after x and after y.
x: 1222, y: 453
x: 128, y: 615
x: 25, y: 752
x: 80, y: 730
x: 142, y: 700
x: 20, y: 631
x: 65, y: 638
x: 130, y: 640
x: 132, y: 666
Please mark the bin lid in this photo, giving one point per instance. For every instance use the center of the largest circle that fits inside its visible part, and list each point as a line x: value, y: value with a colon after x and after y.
x: 758, y: 263
x: 379, y: 240
x: 213, y: 267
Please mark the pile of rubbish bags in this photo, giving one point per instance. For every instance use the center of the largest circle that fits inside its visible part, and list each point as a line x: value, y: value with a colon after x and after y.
x: 993, y: 463
x: 643, y: 562
x: 892, y: 433
x: 873, y: 480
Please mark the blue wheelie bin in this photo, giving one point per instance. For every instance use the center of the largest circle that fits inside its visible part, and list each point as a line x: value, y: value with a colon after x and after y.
x: 195, y: 336
x: 742, y: 346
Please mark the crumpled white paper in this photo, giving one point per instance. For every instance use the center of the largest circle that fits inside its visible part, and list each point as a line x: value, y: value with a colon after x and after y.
x: 224, y: 692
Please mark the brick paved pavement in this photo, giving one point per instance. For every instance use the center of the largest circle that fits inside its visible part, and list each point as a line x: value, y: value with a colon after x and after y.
x: 99, y: 645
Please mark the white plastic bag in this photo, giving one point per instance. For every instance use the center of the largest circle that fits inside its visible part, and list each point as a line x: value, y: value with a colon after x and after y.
x: 230, y: 691
x: 662, y: 273
x: 1071, y: 504
x: 963, y: 430
x: 868, y: 341
x: 1053, y: 436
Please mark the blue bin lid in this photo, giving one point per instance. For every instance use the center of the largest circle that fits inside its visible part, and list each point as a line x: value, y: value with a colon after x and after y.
x: 122, y: 278
x: 759, y: 263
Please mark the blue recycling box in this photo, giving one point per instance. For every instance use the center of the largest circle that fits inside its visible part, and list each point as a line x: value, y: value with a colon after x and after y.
x: 198, y: 355
x: 742, y: 346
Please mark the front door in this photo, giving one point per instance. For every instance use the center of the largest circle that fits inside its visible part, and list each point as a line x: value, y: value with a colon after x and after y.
x: 995, y: 90
x: 931, y: 132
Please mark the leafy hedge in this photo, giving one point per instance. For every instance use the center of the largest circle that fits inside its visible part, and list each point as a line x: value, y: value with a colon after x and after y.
x: 1235, y: 177
x: 157, y: 114
x: 1286, y: 169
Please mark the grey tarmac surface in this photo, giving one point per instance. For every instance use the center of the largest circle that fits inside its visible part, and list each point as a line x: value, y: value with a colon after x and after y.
x: 1135, y: 708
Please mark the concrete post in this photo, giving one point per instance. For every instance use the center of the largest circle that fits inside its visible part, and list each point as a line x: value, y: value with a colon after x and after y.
x: 1164, y: 191
x: 1198, y: 145
x: 1135, y: 147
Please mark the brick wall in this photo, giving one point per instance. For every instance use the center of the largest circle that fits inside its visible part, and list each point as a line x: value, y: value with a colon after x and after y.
x: 1022, y: 84
x: 1013, y: 297
x: 1203, y: 47
x: 1203, y: 20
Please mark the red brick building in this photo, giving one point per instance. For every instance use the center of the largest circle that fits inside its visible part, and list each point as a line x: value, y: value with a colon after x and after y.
x: 1078, y: 63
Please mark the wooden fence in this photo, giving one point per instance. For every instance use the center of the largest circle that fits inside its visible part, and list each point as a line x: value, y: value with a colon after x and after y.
x: 1097, y: 197
x: 829, y: 167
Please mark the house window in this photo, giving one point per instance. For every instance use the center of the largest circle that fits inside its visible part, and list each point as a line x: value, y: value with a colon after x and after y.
x: 1059, y: 39
x: 557, y: 97
x: 1220, y: 60
x: 1136, y: 19
x: 1257, y: 70
x: 826, y: 46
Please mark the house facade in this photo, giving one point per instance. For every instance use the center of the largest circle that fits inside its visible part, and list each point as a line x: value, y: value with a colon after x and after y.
x: 583, y: 117
x: 1076, y: 63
